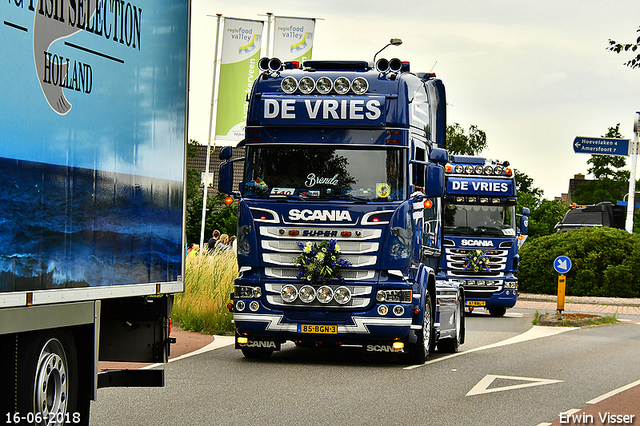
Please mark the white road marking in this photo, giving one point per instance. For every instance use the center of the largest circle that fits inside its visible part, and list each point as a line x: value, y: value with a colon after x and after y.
x: 483, y: 385
x: 535, y: 332
x: 218, y: 342
x: 613, y: 392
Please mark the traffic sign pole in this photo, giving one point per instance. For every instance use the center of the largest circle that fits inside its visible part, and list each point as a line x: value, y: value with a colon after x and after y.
x: 562, y: 285
x: 632, y: 180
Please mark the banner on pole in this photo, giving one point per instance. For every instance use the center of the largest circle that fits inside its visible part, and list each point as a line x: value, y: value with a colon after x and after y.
x: 293, y: 38
x: 241, y: 46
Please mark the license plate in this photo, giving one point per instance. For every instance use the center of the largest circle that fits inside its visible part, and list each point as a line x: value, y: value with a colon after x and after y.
x: 317, y: 329
x: 476, y: 303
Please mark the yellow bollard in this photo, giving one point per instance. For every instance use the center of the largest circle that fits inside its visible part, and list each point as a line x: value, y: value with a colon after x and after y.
x: 562, y: 284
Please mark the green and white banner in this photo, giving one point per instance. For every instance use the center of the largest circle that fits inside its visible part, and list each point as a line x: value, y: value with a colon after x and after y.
x: 241, y: 45
x: 293, y: 38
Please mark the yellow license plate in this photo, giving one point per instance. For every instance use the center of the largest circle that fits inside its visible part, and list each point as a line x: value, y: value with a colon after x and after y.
x: 318, y: 329
x: 476, y: 303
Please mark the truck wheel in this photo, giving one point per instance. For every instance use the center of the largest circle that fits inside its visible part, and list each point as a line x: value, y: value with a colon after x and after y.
x: 47, y: 375
x: 421, y: 349
x: 497, y: 312
x: 453, y: 345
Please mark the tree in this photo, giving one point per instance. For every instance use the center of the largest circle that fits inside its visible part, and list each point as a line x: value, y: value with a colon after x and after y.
x: 460, y: 143
x: 617, y: 47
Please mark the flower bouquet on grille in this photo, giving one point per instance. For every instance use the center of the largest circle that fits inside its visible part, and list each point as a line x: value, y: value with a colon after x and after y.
x: 477, y: 260
x: 320, y: 262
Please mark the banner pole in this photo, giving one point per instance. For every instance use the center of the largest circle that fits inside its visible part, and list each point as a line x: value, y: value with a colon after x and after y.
x: 206, y: 170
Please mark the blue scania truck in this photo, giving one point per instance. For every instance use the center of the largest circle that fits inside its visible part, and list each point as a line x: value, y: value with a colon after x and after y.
x: 342, y: 160
x: 482, y: 233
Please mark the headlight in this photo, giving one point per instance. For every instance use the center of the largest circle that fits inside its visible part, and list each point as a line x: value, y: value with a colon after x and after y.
x: 324, y: 294
x: 324, y: 85
x: 383, y: 310
x: 254, y: 306
x: 289, y: 293
x: 342, y: 295
x: 257, y: 292
x: 240, y: 305
x: 306, y: 85
x: 398, y: 310
x: 289, y: 85
x: 359, y: 85
x: 341, y: 85
x: 307, y: 294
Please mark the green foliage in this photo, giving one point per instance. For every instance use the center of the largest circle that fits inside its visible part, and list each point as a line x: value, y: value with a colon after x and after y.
x: 606, y: 262
x: 617, y: 47
x: 219, y: 215
x: 465, y: 144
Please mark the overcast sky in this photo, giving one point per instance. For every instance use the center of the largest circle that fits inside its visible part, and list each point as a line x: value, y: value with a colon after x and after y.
x: 532, y: 74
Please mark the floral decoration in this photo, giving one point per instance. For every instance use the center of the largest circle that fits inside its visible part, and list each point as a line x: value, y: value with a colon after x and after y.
x: 320, y: 262
x: 477, y: 260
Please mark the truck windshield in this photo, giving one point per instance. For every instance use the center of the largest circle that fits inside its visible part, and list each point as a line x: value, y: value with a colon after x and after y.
x: 464, y: 219
x: 325, y: 173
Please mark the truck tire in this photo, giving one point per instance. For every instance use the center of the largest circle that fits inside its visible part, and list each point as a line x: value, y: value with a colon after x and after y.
x: 47, y: 376
x: 422, y: 348
x: 453, y: 345
x: 497, y: 312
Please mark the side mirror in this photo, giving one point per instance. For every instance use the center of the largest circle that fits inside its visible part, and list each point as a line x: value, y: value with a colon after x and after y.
x: 225, y: 177
x: 434, y: 179
x: 439, y: 155
x: 524, y: 221
x: 225, y: 152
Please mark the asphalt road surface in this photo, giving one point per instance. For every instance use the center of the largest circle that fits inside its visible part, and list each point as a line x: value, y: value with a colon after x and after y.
x: 507, y: 373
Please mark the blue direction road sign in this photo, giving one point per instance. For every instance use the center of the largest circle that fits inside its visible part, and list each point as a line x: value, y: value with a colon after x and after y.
x: 602, y: 146
x: 562, y: 264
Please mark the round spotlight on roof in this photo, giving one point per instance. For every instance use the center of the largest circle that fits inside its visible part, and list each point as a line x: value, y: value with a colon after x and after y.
x: 382, y: 65
x: 324, y: 85
x: 263, y: 64
x: 306, y: 85
x: 341, y: 85
x: 479, y: 170
x: 395, y: 65
x: 488, y: 170
x: 275, y: 64
x: 459, y: 169
x: 289, y: 85
x: 468, y: 169
x: 359, y: 85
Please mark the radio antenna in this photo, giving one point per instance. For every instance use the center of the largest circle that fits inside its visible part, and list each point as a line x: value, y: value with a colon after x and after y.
x: 434, y: 65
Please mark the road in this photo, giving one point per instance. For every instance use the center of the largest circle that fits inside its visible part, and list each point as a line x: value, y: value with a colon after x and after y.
x: 507, y: 373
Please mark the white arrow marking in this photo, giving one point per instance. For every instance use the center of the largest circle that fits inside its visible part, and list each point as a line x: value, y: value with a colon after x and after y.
x: 483, y: 384
x: 562, y: 264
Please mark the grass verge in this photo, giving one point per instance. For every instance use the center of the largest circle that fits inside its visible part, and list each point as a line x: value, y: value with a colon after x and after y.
x: 207, y: 285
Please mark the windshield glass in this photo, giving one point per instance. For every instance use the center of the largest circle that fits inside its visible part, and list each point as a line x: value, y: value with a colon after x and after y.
x: 496, y: 220
x: 325, y: 173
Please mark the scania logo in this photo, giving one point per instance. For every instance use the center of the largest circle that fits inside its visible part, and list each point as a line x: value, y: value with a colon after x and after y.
x: 324, y: 215
x: 381, y: 348
x: 476, y: 243
x: 266, y: 344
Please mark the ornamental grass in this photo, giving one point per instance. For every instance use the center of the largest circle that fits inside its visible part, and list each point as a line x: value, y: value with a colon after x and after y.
x: 207, y: 285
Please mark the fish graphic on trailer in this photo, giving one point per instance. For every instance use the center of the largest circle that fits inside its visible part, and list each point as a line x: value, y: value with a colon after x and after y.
x: 46, y: 32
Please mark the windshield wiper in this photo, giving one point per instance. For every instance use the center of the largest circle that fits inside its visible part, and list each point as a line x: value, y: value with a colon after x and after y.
x: 354, y: 198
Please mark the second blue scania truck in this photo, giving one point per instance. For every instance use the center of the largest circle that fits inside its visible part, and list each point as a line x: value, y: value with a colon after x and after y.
x: 481, y: 232
x: 339, y: 227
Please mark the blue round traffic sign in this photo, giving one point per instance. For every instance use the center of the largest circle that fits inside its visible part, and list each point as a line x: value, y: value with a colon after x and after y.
x: 562, y: 264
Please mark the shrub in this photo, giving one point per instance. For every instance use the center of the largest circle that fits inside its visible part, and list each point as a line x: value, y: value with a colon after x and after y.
x: 606, y: 262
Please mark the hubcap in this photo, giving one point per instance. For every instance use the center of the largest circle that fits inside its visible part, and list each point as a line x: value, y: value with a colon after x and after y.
x: 52, y: 386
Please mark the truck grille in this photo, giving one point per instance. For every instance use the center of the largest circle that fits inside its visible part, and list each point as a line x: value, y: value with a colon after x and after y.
x: 456, y: 261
